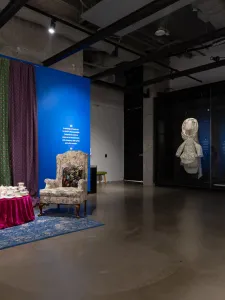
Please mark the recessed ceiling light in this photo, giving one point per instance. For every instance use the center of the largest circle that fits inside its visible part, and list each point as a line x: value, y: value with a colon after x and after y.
x: 161, y: 32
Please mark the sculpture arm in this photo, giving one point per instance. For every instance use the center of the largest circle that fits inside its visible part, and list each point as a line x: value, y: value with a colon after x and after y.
x: 180, y: 149
x: 199, y: 151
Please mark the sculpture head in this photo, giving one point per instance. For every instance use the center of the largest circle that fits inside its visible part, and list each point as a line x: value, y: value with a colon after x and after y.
x: 190, y: 129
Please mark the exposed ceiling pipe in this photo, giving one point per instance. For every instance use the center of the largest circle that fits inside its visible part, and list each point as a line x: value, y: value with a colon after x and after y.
x: 149, y: 9
x: 183, y: 73
x: 163, y: 52
x: 175, y: 70
x: 10, y: 10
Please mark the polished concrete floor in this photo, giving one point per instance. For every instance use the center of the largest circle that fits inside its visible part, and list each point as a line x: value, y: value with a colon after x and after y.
x: 157, y: 243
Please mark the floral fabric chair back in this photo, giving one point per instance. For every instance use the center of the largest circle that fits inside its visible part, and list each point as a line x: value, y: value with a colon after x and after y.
x: 71, y: 167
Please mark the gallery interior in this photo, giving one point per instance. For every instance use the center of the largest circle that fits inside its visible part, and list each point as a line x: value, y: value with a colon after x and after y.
x: 112, y: 149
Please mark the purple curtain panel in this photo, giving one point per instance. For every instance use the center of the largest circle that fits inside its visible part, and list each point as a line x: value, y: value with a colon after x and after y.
x: 23, y: 125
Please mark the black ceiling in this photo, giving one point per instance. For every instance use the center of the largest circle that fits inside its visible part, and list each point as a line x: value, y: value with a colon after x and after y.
x: 182, y: 25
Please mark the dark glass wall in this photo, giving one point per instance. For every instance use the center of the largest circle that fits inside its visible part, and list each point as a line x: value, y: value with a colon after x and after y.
x: 170, y: 112
x: 218, y: 135
x: 133, y: 126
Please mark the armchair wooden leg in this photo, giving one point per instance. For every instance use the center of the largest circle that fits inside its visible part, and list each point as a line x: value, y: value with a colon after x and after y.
x: 41, y: 205
x: 77, y: 210
x: 85, y: 207
x: 105, y: 178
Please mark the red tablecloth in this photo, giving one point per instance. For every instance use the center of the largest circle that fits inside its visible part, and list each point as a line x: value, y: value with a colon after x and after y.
x: 16, y: 211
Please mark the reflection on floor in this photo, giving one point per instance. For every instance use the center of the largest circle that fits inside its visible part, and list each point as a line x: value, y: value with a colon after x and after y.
x: 157, y: 243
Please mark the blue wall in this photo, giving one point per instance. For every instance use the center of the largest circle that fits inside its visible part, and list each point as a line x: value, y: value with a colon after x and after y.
x: 63, y: 102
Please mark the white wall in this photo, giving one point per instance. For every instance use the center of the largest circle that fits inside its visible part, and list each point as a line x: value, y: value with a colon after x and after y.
x: 107, y: 131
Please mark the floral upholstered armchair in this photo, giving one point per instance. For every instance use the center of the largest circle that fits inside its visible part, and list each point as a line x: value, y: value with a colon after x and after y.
x: 70, y: 186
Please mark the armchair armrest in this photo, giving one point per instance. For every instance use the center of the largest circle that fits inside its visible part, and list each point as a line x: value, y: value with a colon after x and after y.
x: 82, y: 185
x: 51, y: 183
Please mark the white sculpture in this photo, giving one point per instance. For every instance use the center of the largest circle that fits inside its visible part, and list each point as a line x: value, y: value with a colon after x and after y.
x: 190, y: 151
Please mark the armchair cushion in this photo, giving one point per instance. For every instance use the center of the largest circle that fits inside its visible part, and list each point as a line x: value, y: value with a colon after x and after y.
x: 71, y: 176
x: 62, y: 195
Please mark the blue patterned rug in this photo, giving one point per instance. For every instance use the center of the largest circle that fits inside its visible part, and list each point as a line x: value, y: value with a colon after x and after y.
x: 53, y: 224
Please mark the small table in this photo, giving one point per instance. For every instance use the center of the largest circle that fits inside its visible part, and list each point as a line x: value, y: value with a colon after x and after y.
x: 102, y: 173
x: 16, y: 211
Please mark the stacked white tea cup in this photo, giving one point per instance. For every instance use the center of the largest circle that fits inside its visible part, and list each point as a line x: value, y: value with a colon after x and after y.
x: 13, y: 191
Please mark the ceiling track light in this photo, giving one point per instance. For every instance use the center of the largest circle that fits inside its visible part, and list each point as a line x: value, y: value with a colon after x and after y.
x: 52, y: 27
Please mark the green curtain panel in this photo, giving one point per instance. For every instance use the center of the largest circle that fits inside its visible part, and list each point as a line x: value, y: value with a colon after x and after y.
x: 5, y: 174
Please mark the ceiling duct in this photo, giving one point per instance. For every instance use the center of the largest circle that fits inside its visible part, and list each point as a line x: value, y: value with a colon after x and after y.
x: 212, y: 11
x: 97, y: 15
x: 132, y: 18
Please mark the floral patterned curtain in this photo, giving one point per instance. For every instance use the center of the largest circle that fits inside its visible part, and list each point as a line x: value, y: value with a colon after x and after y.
x: 5, y: 174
